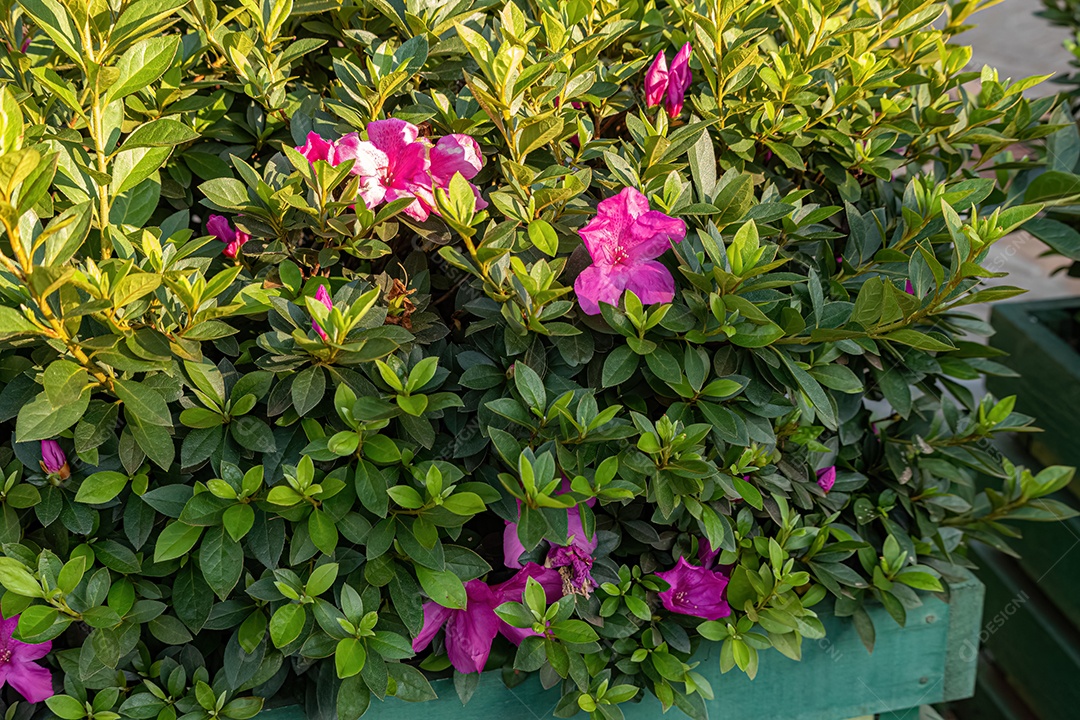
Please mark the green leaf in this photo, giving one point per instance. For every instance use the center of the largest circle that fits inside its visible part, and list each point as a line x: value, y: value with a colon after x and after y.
x: 175, y: 540
x: 308, y: 389
x: 143, y: 402
x: 143, y: 64
x: 164, y: 132
x: 14, y: 577
x: 286, y: 624
x: 349, y: 657
x: 531, y: 387
x: 64, y: 382
x: 39, y: 420
x: 221, y: 560
x: 543, y: 236
x: 101, y: 487
x: 444, y: 587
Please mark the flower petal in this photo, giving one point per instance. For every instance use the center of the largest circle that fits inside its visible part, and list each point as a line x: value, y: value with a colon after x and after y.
x: 21, y: 651
x: 315, y: 148
x: 656, y: 80
x: 512, y: 546
x: 826, y: 478
x: 470, y: 632
x: 368, y: 160
x: 605, y: 236
x: 678, y: 81
x: 597, y: 284
x: 31, y: 681
x: 513, y: 589
x: 219, y: 227
x: 576, y: 532
x: 435, y: 616
x: 392, y: 135
x: 651, y: 235
x: 651, y: 282
x: 452, y: 154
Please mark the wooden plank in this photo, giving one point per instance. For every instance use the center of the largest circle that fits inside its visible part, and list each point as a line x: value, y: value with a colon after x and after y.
x: 923, y: 662
x: 994, y: 699
x: 1048, y: 386
x: 1035, y: 646
x: 1049, y: 551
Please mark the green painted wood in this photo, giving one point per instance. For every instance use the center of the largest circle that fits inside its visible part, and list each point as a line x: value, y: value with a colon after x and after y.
x: 927, y: 661
x: 1048, y: 381
x: 1036, y: 647
x: 994, y: 699
x: 1049, y: 552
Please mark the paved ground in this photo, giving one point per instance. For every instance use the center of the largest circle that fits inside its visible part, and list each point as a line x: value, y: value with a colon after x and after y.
x: 1012, y: 39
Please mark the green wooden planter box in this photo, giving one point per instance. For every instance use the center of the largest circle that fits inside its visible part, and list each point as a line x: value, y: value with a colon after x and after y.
x: 932, y: 659
x: 1048, y: 368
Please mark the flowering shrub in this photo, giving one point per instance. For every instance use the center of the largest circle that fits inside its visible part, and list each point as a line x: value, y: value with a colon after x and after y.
x: 346, y: 345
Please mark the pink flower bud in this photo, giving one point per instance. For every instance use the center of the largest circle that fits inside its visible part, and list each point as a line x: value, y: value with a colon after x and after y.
x: 826, y: 478
x: 324, y: 297
x: 678, y: 81
x: 53, y: 460
x: 656, y: 81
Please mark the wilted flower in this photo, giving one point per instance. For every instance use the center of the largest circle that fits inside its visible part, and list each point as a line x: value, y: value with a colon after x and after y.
x: 220, y: 228
x: 324, y: 297
x: 826, y: 478
x: 470, y: 632
x: 694, y: 590
x: 624, y: 240
x: 53, y: 460
x: 17, y: 666
x: 574, y: 558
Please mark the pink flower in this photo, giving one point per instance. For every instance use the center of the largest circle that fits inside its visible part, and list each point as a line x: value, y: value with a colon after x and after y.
x: 324, y: 297
x: 706, y: 553
x: 220, y: 228
x: 17, y: 666
x: 656, y: 81
x: 678, y: 81
x: 316, y: 148
x: 53, y: 460
x: 695, y: 591
x: 470, y: 632
x: 624, y: 240
x: 392, y: 164
x: 826, y: 478
x: 452, y: 154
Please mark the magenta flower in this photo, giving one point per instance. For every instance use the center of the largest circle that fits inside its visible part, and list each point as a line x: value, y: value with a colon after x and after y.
x: 17, y: 666
x: 470, y: 632
x: 53, y: 460
x: 695, y: 591
x: 656, y: 81
x: 678, y: 81
x: 316, y: 148
x: 909, y: 288
x: 624, y: 240
x: 220, y: 228
x: 707, y: 554
x: 392, y: 164
x: 452, y: 154
x: 573, y: 559
x: 324, y: 297
x: 826, y: 478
